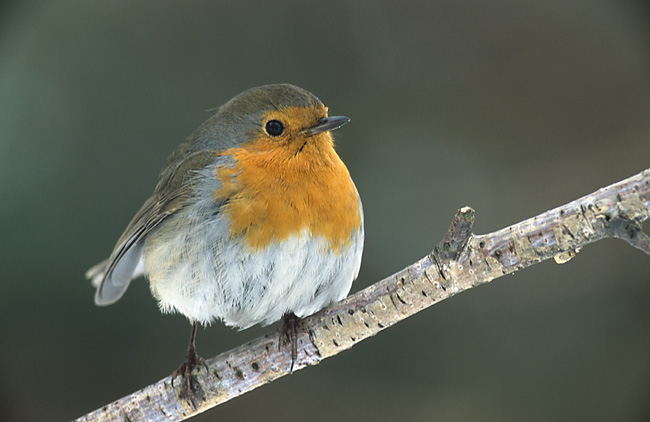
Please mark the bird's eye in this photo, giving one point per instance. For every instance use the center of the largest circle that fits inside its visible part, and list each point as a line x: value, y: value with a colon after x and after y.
x: 274, y: 127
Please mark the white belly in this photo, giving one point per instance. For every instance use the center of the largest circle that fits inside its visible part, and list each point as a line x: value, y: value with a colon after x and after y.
x: 203, y: 274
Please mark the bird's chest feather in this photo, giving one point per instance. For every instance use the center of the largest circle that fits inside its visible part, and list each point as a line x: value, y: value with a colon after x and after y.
x: 269, y: 197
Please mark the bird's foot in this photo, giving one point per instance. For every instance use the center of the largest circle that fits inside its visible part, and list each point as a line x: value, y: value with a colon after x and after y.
x: 289, y: 333
x: 192, y: 361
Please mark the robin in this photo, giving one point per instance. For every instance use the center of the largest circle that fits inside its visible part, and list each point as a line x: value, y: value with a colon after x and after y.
x: 255, y: 218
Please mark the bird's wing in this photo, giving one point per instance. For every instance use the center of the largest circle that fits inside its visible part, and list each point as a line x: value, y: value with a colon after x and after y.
x: 174, y: 191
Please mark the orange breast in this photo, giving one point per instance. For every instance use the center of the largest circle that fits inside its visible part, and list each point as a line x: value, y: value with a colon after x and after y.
x: 273, y: 192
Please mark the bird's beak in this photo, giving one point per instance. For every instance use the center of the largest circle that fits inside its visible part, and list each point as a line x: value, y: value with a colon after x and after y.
x: 325, y: 124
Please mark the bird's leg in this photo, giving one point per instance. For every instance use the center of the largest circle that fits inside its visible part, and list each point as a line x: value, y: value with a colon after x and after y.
x: 290, y: 331
x: 191, y: 360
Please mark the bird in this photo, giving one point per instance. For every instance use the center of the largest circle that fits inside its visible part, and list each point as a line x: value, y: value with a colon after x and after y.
x: 255, y: 218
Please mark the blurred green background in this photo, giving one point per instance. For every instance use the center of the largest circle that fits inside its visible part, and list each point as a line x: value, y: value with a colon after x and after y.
x: 510, y: 107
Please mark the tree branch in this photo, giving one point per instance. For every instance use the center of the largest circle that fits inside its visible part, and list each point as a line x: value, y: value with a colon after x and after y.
x: 461, y: 261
